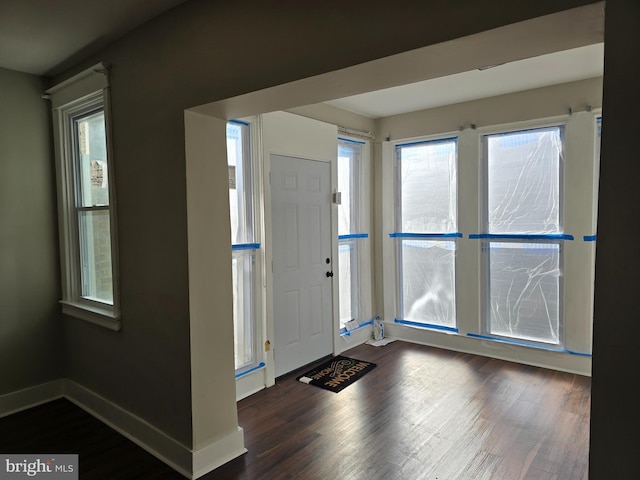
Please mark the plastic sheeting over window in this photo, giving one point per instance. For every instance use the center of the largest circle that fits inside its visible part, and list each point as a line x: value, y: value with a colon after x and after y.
x: 427, y: 185
x: 524, y: 291
x: 524, y: 197
x: 348, y: 261
x: 426, y: 180
x: 428, y: 281
x: 524, y: 170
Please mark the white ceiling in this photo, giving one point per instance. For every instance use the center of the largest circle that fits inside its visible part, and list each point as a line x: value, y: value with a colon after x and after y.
x: 44, y: 37
x: 541, y: 71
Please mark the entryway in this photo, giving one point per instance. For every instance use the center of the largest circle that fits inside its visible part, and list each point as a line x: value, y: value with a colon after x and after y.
x: 302, y: 264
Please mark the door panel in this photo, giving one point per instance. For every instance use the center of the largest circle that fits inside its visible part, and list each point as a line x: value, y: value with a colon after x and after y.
x: 301, y: 232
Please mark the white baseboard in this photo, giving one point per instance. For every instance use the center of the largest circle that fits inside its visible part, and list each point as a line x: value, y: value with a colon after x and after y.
x: 139, y: 431
x: 563, y: 362
x: 250, y: 383
x: 218, y: 453
x: 30, y: 397
x: 190, y: 463
x: 356, y: 337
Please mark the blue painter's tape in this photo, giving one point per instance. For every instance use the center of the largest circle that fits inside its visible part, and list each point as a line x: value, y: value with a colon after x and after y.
x: 426, y: 325
x: 510, y: 236
x: 424, y: 142
x: 351, y: 141
x: 525, y: 344
x: 238, y: 122
x: 353, y: 235
x: 245, y: 246
x: 589, y: 238
x: 257, y: 367
x: 347, y: 333
x: 425, y: 235
x: 581, y: 354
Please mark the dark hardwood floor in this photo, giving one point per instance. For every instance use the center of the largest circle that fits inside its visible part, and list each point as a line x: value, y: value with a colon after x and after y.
x: 423, y: 413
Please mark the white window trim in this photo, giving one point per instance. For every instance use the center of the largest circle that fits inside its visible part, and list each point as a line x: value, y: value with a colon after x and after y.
x: 354, y: 220
x: 560, y: 122
x: 251, y: 376
x: 85, y: 90
x: 577, y: 312
x: 398, y: 303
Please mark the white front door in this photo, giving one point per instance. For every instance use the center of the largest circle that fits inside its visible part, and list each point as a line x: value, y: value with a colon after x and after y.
x: 301, y: 233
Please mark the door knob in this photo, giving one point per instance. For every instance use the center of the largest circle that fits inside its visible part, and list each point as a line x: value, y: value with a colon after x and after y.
x: 329, y: 274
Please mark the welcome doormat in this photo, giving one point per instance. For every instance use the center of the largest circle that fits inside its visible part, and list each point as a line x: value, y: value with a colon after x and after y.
x: 337, y: 373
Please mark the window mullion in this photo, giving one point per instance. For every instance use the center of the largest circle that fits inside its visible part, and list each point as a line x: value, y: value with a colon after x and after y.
x: 97, y: 208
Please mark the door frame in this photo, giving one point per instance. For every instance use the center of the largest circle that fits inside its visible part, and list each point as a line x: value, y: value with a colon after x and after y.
x: 296, y: 149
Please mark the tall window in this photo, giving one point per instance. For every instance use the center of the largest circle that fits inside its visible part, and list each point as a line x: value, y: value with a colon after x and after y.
x: 244, y: 248
x: 349, y: 161
x: 597, y: 169
x: 92, y: 204
x: 426, y: 232
x: 523, y: 246
x: 85, y: 198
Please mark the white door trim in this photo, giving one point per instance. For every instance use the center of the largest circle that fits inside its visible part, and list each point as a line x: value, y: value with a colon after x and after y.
x: 313, y: 140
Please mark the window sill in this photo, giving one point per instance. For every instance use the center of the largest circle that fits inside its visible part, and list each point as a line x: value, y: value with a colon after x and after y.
x: 104, y: 317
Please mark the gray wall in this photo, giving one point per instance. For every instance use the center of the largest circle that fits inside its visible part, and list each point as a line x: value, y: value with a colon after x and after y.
x: 205, y: 51
x: 614, y: 402
x: 30, y: 322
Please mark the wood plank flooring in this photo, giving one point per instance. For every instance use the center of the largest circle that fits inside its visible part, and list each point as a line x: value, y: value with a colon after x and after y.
x: 423, y: 413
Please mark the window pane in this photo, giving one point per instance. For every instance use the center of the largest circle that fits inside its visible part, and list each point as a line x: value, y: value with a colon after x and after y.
x: 239, y: 160
x: 243, y: 261
x: 348, y: 160
x: 95, y: 255
x: 242, y: 275
x: 524, y: 181
x: 345, y: 164
x: 91, y: 144
x: 347, y: 258
x: 525, y: 290
x: 427, y: 177
x: 596, y: 179
x: 349, y: 157
x: 428, y: 281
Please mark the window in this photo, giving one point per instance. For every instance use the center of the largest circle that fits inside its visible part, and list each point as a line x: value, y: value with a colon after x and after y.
x: 426, y: 232
x: 92, y: 204
x: 596, y: 177
x: 349, y: 163
x: 244, y: 250
x: 86, y: 198
x: 523, y: 247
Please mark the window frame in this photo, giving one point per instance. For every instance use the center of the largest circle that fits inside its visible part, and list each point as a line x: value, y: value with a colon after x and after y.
x: 485, y: 284
x: 350, y: 239
x: 248, y: 253
x: 399, y: 236
x: 597, y: 119
x: 79, y: 96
